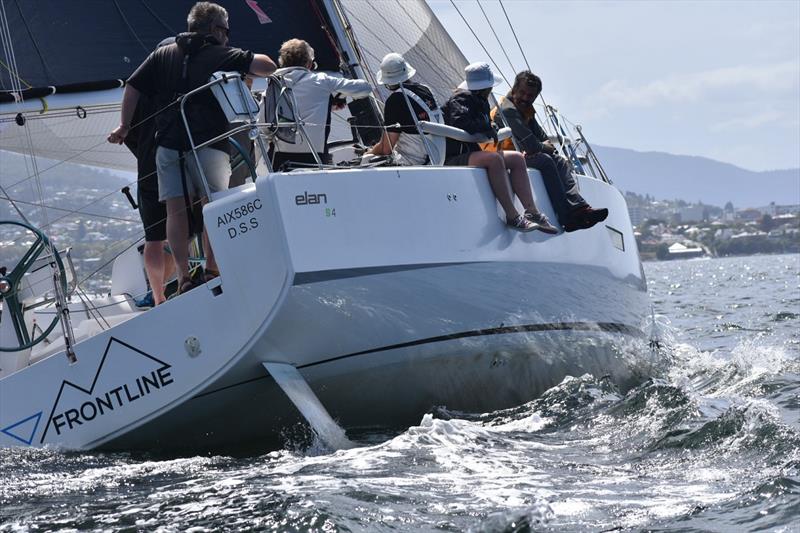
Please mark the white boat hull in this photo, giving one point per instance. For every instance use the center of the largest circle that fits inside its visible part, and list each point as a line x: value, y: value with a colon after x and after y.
x: 392, y: 291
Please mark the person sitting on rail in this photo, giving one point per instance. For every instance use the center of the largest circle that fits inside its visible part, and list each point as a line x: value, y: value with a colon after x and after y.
x: 516, y: 110
x: 468, y: 109
x: 402, y: 135
x: 312, y: 93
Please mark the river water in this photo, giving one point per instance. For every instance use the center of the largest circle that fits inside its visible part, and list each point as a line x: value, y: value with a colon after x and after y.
x: 711, y: 443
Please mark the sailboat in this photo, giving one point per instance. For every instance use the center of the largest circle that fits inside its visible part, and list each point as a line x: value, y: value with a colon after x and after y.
x: 318, y: 314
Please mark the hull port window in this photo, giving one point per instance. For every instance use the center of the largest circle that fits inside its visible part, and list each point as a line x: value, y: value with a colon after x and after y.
x: 617, y: 239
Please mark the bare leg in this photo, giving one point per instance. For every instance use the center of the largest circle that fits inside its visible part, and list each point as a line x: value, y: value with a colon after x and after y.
x: 169, y: 265
x: 498, y: 179
x: 156, y: 267
x: 520, y: 181
x: 178, y: 236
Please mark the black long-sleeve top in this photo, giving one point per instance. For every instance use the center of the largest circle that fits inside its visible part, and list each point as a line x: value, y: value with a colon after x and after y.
x: 469, y: 112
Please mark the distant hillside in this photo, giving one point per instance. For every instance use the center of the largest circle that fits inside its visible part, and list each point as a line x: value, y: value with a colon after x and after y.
x: 62, y: 176
x: 81, y: 186
x: 691, y: 178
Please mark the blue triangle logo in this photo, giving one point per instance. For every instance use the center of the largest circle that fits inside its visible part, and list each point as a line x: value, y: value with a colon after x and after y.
x: 31, y: 423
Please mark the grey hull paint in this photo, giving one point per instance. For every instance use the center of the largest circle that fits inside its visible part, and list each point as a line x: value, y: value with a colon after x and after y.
x: 384, y: 348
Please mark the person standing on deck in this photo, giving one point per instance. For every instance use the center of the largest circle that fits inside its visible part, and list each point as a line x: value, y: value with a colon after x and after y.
x: 516, y: 110
x: 165, y: 75
x: 468, y: 109
x: 141, y: 141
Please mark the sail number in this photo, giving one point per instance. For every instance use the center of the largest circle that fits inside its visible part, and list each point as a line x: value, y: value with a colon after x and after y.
x: 238, y: 220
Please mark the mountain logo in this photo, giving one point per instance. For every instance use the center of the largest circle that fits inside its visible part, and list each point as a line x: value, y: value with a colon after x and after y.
x: 125, y: 375
x: 25, y: 429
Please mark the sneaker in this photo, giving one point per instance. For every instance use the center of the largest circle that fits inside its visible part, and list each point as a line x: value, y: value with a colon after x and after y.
x: 146, y: 301
x: 541, y: 220
x: 521, y: 223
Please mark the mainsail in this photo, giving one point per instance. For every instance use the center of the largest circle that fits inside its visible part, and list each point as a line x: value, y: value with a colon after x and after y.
x: 410, y: 28
x: 70, y: 56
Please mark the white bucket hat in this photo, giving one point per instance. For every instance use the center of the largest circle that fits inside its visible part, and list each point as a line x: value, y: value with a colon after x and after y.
x: 394, y: 70
x: 479, y: 76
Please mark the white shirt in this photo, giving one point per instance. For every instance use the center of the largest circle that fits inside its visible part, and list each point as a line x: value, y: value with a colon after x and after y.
x: 311, y: 92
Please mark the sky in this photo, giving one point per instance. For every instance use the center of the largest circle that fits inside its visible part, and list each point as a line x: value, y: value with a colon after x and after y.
x: 719, y: 79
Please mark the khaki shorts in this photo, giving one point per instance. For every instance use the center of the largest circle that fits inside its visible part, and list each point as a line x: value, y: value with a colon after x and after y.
x: 216, y: 166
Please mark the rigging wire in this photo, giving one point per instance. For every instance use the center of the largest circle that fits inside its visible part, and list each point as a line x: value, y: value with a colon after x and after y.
x: 11, y: 73
x: 514, y: 33
x: 457, y: 70
x: 159, y: 19
x: 101, y: 143
x: 14, y: 204
x: 47, y: 71
x: 128, y: 24
x: 15, y: 79
x: 91, y: 308
x: 480, y: 43
x: 326, y: 29
x: 429, y: 63
x: 60, y: 296
x: 491, y: 27
x: 63, y: 209
x: 547, y: 109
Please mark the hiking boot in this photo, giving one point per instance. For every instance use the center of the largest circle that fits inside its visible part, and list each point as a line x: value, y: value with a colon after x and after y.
x: 521, y: 223
x: 541, y: 220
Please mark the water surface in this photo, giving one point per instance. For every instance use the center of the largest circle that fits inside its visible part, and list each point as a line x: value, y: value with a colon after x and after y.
x: 711, y: 442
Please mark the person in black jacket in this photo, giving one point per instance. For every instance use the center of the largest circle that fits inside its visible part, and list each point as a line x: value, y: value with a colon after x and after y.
x: 165, y: 74
x: 468, y: 109
x: 141, y: 141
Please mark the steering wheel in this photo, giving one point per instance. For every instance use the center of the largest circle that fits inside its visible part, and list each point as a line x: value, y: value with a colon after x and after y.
x: 10, y: 284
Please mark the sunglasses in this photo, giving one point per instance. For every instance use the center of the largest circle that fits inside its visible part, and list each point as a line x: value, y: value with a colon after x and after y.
x: 226, y: 30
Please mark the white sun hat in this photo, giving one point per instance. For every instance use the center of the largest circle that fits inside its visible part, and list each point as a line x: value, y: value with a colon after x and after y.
x: 394, y: 69
x: 479, y: 76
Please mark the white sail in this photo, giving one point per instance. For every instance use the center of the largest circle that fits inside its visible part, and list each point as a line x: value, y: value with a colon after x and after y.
x: 410, y: 28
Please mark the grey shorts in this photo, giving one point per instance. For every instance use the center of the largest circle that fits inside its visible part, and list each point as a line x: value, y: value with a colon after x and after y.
x: 216, y: 165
